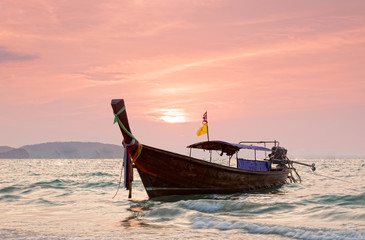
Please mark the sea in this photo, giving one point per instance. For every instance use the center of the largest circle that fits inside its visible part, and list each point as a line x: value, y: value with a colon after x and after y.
x: 73, y: 199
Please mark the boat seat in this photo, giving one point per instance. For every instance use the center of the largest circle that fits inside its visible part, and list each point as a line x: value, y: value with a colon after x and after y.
x: 253, y: 165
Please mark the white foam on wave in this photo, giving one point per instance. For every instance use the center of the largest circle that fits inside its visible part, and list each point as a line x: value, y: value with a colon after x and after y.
x: 203, y: 206
x: 204, y: 222
x: 214, y: 206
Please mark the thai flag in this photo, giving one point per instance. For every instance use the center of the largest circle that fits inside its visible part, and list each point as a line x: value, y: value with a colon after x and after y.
x: 205, y: 118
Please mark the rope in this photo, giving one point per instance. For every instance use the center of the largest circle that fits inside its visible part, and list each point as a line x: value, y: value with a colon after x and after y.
x: 126, y: 160
x: 138, y: 152
x: 134, y: 139
x: 120, y: 181
x: 116, y: 119
x: 338, y: 179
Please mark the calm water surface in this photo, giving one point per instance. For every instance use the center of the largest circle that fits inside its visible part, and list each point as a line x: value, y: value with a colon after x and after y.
x: 72, y: 199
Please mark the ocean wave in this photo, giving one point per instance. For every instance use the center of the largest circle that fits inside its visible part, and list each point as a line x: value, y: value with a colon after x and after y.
x: 164, y: 214
x: 96, y: 184
x: 57, y: 184
x: 204, y: 222
x: 9, y: 198
x: 13, y: 193
x: 9, y: 189
x: 232, y: 207
x: 342, y: 200
x: 214, y: 206
x: 93, y: 174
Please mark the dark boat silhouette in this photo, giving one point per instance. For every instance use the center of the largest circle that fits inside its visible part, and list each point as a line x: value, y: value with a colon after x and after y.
x: 165, y: 173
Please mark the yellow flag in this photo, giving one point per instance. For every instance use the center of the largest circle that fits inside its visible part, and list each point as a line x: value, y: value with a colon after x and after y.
x: 203, y: 130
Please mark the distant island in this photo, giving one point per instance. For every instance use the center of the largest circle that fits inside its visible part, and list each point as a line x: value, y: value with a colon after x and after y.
x: 63, y: 150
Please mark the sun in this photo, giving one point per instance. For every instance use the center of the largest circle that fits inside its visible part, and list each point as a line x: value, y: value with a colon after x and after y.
x: 174, y: 115
x: 173, y: 119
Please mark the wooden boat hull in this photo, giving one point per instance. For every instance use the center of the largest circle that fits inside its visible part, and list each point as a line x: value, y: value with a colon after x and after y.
x: 165, y: 173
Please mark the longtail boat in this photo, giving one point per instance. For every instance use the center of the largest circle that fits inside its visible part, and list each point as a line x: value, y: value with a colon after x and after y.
x: 165, y: 173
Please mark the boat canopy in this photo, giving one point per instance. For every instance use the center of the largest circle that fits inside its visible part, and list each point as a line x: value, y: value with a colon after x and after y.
x: 225, y: 147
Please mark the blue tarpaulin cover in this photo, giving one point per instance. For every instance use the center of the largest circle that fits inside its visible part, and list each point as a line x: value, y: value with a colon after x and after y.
x: 252, y: 165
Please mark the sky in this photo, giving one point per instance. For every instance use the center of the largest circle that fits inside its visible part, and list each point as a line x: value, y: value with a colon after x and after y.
x: 288, y: 70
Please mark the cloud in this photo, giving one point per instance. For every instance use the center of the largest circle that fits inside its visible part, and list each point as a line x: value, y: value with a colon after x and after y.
x: 9, y: 56
x: 105, y: 76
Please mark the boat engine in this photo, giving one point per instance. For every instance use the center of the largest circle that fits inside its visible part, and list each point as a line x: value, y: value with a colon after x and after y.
x: 278, y: 153
x: 278, y: 156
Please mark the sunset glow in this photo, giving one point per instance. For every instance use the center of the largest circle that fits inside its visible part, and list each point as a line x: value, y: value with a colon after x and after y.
x: 291, y: 70
x: 173, y: 119
x: 172, y: 115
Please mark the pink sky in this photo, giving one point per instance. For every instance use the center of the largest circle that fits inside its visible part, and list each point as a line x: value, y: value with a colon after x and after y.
x: 287, y: 70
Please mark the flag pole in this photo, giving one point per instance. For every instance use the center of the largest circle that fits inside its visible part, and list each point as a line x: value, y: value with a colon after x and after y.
x: 210, y: 151
x: 207, y: 131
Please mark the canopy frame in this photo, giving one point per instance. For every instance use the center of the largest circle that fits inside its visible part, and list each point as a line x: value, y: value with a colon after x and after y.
x: 228, y: 148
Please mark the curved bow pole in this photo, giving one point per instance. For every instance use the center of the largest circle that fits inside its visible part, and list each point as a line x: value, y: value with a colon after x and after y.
x: 132, y: 148
x: 118, y: 105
